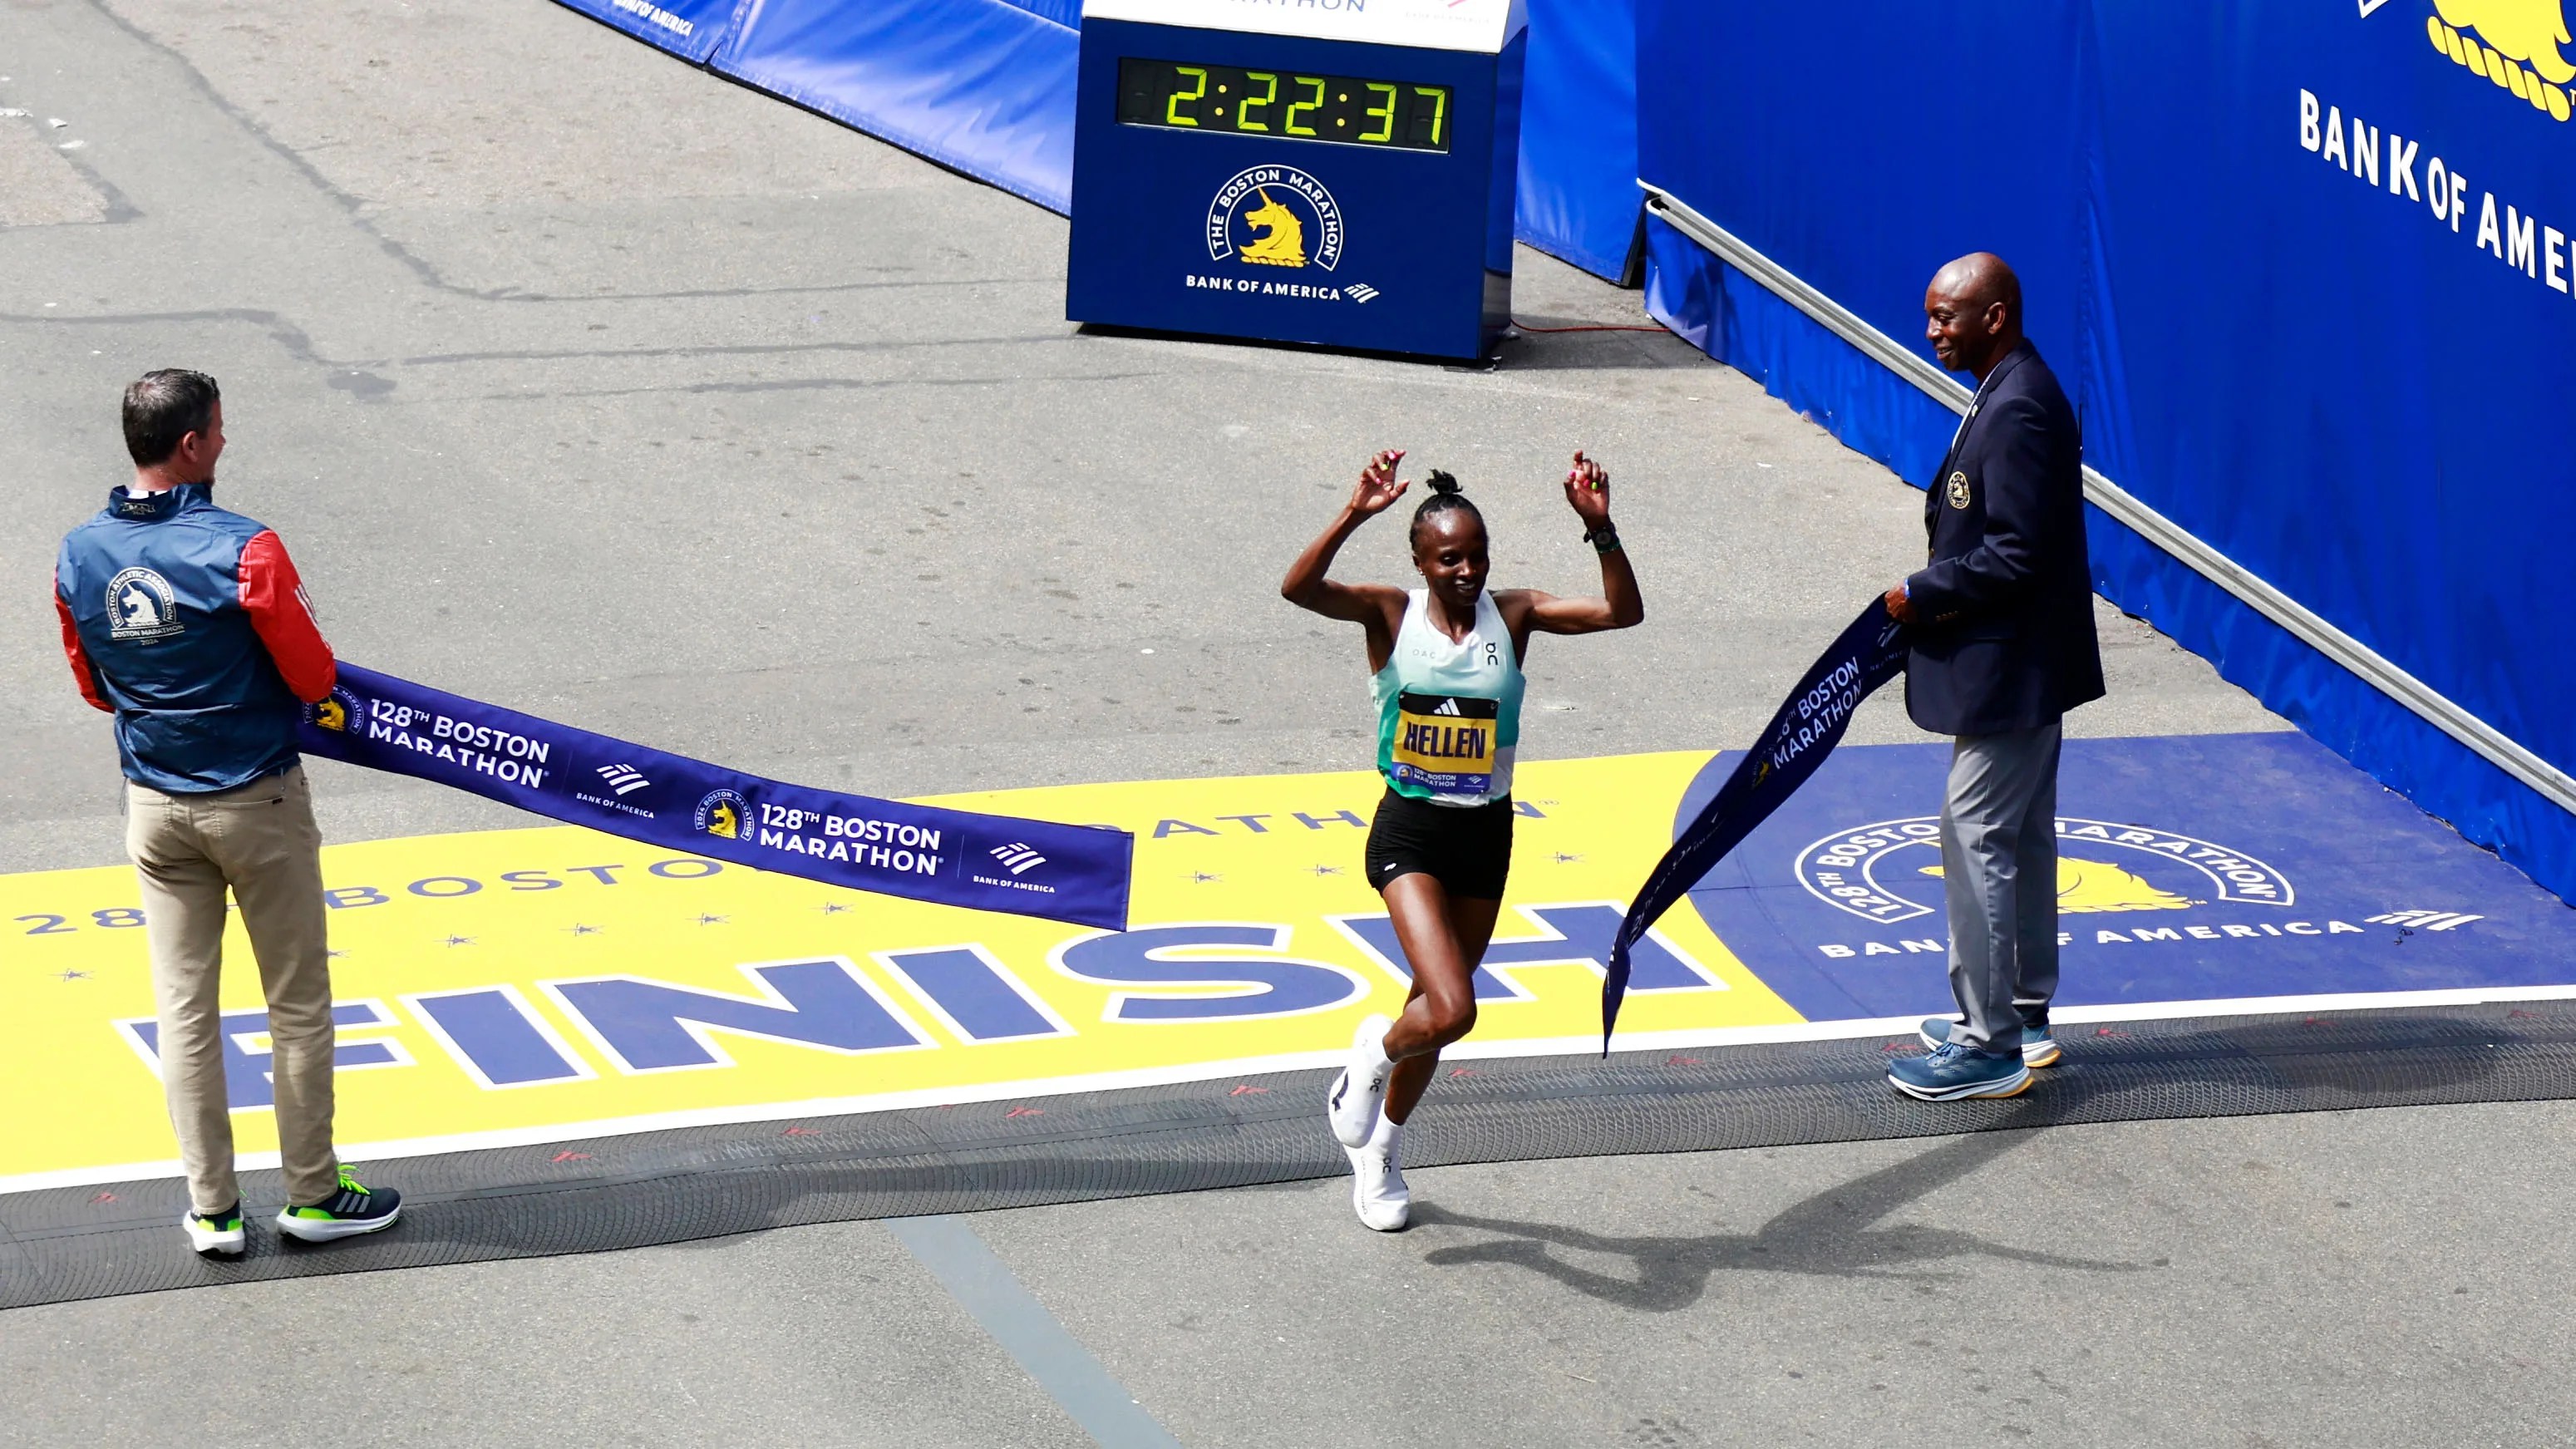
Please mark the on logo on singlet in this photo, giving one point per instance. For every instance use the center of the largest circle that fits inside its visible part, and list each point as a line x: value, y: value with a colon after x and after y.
x: 1445, y: 742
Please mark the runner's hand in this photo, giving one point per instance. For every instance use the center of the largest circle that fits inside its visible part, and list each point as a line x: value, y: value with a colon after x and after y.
x: 1587, y: 487
x: 1378, y: 488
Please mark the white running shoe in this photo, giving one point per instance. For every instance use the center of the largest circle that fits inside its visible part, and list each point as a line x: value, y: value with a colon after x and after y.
x: 217, y: 1235
x: 1378, y: 1193
x: 1352, y: 1106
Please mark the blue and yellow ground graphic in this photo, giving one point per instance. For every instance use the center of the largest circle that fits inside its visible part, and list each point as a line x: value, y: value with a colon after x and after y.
x: 2193, y: 872
x: 509, y: 987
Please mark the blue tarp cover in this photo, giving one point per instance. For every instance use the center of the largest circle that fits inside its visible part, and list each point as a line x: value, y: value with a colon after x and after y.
x: 987, y: 87
x: 983, y: 86
x: 688, y: 28
x: 1578, y: 182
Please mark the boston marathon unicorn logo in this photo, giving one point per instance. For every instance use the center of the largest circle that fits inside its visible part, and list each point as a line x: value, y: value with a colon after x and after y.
x: 1282, y: 239
x: 1874, y: 871
x: 722, y: 814
x: 335, y: 711
x: 2087, y: 886
x: 2514, y: 43
x: 1275, y: 216
x: 140, y: 605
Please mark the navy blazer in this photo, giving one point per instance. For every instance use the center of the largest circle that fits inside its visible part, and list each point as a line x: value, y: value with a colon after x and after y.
x: 2005, y: 608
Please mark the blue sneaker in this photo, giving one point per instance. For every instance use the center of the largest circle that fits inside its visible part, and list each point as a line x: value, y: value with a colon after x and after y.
x: 2038, y: 1044
x: 353, y: 1209
x: 1950, y: 1073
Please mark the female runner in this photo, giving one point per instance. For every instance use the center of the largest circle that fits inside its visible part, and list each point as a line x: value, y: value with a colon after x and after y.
x: 1447, y: 664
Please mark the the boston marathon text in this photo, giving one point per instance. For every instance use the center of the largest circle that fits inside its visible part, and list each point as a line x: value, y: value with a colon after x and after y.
x: 1821, y: 712
x: 516, y: 758
x: 858, y: 840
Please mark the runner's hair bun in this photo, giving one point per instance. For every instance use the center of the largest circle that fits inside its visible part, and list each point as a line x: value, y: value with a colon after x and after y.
x: 1444, y: 498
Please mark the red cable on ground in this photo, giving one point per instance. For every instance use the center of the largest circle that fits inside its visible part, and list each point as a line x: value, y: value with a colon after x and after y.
x: 1525, y: 327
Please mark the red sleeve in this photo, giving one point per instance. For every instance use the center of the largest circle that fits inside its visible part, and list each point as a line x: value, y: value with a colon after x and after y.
x: 273, y: 596
x: 82, y: 669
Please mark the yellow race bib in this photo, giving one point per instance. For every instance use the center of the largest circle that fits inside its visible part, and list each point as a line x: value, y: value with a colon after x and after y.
x: 1444, y: 742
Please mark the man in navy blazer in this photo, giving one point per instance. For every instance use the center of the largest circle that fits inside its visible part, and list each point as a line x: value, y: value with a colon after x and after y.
x: 2001, y: 647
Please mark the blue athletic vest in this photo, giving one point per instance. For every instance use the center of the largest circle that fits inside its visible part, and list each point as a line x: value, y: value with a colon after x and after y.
x: 154, y: 586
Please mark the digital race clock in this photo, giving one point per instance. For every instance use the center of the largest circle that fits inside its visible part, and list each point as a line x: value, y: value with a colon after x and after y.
x: 1358, y: 189
x: 1350, y: 109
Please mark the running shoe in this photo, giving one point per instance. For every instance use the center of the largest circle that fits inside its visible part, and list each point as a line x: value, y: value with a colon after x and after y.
x: 354, y: 1209
x: 1360, y: 1091
x: 217, y: 1235
x: 1951, y: 1073
x: 2038, y: 1044
x: 1378, y: 1193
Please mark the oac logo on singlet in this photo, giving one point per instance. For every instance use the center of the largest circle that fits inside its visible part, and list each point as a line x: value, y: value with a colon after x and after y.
x: 1445, y: 742
x: 141, y: 606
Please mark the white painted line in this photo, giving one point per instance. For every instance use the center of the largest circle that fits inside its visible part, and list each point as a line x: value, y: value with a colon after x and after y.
x: 1846, y: 1030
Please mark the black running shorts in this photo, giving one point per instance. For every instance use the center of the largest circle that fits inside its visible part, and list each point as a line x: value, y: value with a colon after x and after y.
x: 1467, y: 848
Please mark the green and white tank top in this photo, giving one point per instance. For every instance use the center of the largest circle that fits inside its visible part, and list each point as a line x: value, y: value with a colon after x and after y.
x: 1449, y: 712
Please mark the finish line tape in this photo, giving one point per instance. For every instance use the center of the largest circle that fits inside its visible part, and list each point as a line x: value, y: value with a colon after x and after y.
x: 1036, y: 868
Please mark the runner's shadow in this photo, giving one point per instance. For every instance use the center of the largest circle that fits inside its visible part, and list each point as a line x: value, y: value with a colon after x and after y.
x: 1827, y: 1235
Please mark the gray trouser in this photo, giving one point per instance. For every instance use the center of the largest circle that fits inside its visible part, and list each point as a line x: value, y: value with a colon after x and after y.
x: 261, y: 843
x: 1999, y: 873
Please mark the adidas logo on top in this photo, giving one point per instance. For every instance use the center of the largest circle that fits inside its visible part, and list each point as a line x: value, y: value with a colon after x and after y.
x: 1447, y: 706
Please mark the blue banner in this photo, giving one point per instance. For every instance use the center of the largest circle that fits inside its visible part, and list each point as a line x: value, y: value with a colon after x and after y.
x: 1076, y: 873
x: 987, y: 87
x: 2371, y: 207
x: 1578, y: 187
x: 690, y: 29
x: 1868, y: 654
x: 984, y: 86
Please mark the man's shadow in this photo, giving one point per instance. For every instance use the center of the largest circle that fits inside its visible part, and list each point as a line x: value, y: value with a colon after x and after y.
x: 1828, y: 1235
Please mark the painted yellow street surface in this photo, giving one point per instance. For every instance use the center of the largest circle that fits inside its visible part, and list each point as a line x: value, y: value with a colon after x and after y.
x: 535, y: 985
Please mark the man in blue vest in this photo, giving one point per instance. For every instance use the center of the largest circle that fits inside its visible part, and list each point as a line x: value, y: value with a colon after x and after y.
x: 189, y: 624
x: 2002, y: 646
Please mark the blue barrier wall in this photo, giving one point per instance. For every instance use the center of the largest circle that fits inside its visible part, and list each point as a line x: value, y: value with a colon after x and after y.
x: 984, y: 86
x: 1578, y: 180
x: 690, y: 29
x: 2304, y: 272
x: 987, y: 87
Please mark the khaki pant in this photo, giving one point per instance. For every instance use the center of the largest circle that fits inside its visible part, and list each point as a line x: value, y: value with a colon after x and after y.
x: 259, y: 840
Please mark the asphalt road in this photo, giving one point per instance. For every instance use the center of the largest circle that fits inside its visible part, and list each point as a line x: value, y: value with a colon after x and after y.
x: 583, y: 382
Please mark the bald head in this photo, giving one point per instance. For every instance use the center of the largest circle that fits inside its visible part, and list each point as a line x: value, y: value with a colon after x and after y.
x: 1972, y: 313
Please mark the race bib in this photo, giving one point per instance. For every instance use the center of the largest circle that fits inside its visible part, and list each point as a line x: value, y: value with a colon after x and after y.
x: 1445, y: 743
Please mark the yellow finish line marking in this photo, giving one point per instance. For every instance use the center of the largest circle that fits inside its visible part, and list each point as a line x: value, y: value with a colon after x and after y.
x: 516, y: 986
